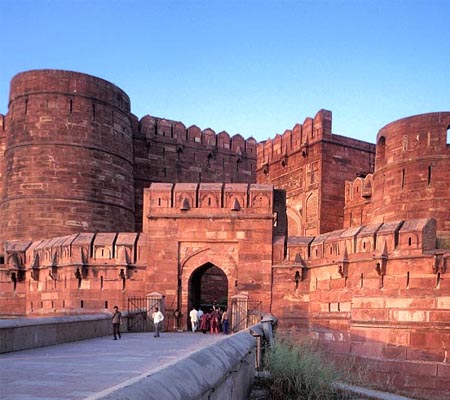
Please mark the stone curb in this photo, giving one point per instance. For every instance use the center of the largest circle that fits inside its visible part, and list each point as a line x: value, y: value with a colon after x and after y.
x: 370, y: 394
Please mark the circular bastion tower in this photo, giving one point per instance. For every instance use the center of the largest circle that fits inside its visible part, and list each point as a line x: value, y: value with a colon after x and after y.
x: 412, y: 171
x: 68, y: 160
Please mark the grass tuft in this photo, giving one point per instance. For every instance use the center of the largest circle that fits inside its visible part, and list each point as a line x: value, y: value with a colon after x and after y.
x: 298, y: 371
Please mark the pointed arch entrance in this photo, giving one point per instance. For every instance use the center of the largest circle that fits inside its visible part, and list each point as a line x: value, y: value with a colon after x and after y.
x: 208, y: 285
x: 207, y: 273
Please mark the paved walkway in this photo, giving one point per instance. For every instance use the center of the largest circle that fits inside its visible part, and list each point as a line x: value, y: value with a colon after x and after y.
x: 79, y: 370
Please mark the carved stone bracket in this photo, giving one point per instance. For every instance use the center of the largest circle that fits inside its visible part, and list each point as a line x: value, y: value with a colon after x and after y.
x: 35, y: 268
x: 300, y: 273
x: 53, y: 269
x: 16, y: 267
x: 440, y: 263
x: 343, y: 265
x: 343, y: 270
x: 53, y: 272
x: 35, y: 273
x: 381, y: 262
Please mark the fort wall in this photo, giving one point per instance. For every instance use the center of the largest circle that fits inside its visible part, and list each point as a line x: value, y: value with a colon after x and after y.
x: 372, y: 294
x: 168, y: 151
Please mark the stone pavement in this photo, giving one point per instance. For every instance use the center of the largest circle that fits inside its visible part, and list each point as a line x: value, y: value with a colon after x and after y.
x: 80, y: 370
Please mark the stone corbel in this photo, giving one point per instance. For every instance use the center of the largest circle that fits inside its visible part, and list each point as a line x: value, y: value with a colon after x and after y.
x: 440, y: 263
x: 343, y: 265
x: 35, y: 273
x: 381, y: 262
x: 35, y: 268
x: 78, y: 274
x: 17, y: 268
x: 53, y: 272
x: 300, y: 273
x: 343, y: 270
x: 84, y: 271
x: 53, y: 269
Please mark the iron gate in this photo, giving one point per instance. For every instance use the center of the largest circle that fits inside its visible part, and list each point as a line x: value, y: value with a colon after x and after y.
x: 244, y: 313
x: 139, y: 309
x: 137, y: 315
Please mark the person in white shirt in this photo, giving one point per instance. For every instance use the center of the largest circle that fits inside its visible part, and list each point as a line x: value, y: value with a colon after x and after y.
x: 194, y: 319
x: 158, y: 318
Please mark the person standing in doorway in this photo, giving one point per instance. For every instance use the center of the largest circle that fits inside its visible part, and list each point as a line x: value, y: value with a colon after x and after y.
x: 158, y: 318
x: 116, y: 322
x: 194, y: 319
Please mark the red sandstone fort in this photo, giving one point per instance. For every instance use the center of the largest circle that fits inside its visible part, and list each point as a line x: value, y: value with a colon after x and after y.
x: 344, y: 241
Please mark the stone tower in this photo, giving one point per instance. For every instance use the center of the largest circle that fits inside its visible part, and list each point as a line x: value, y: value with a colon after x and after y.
x: 68, y: 156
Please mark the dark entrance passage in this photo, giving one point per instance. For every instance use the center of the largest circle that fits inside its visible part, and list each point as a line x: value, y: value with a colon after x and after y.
x: 208, y: 285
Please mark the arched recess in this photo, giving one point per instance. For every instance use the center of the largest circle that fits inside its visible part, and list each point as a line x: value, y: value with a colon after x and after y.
x: 295, y: 226
x: 312, y: 208
x: 194, y: 266
x: 381, y: 148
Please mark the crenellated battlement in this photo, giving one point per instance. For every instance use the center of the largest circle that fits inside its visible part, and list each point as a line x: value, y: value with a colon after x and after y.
x: 299, y: 138
x: 81, y: 252
x: 154, y: 128
x: 194, y: 199
x: 359, y: 190
x: 408, y: 238
x: 74, y: 273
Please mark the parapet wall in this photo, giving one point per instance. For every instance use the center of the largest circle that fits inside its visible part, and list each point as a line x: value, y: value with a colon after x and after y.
x: 212, y: 198
x: 231, y: 371
x: 22, y: 334
x: 408, y: 238
x: 153, y: 127
x: 80, y: 273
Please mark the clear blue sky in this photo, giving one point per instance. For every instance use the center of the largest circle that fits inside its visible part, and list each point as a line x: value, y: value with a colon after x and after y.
x: 253, y: 67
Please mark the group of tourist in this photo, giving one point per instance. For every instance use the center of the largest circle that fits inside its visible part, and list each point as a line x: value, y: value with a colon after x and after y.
x: 215, y: 320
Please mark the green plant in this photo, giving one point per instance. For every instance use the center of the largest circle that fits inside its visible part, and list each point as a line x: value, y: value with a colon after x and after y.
x: 298, y: 371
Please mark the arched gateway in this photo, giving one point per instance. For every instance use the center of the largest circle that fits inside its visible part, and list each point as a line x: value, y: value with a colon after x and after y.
x: 207, y: 276
x: 208, y: 285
